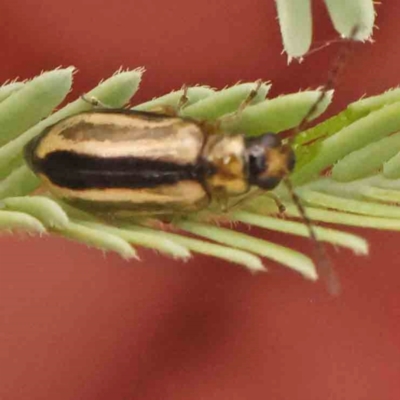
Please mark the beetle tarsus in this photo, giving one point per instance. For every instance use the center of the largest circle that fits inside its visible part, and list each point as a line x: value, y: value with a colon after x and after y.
x: 95, y: 102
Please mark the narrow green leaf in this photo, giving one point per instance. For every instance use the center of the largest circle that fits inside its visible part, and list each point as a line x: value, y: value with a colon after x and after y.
x: 333, y: 236
x: 225, y: 101
x: 97, y: 238
x: 342, y: 218
x: 295, y: 22
x: 387, y: 195
x: 146, y: 239
x: 362, y: 107
x: 10, y: 220
x: 73, y: 212
x: 357, y: 189
x: 42, y: 208
x: 8, y: 89
x: 346, y: 15
x: 374, y: 126
x: 349, y: 205
x: 391, y: 168
x: 288, y: 257
x: 324, y: 129
x: 194, y: 94
x: 246, y: 259
x: 279, y: 114
x: 367, y: 160
x: 33, y: 102
x: 352, y: 113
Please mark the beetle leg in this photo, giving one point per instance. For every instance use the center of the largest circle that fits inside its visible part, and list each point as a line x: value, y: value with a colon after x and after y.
x: 172, y: 111
x: 217, y: 125
x: 250, y: 97
x: 253, y: 194
x: 165, y: 109
x: 221, y: 200
x: 184, y: 99
x: 278, y: 202
x: 95, y: 102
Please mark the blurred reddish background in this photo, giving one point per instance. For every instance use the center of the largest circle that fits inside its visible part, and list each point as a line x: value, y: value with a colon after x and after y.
x: 75, y: 324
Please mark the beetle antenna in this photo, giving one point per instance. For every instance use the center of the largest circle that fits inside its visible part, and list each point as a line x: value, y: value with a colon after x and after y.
x: 331, y: 81
x: 324, y: 265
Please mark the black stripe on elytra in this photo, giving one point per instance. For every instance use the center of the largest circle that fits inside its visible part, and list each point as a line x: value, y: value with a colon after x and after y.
x: 78, y: 171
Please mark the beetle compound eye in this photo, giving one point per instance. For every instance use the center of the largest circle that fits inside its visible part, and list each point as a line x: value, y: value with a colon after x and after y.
x: 268, y: 183
x: 268, y: 161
